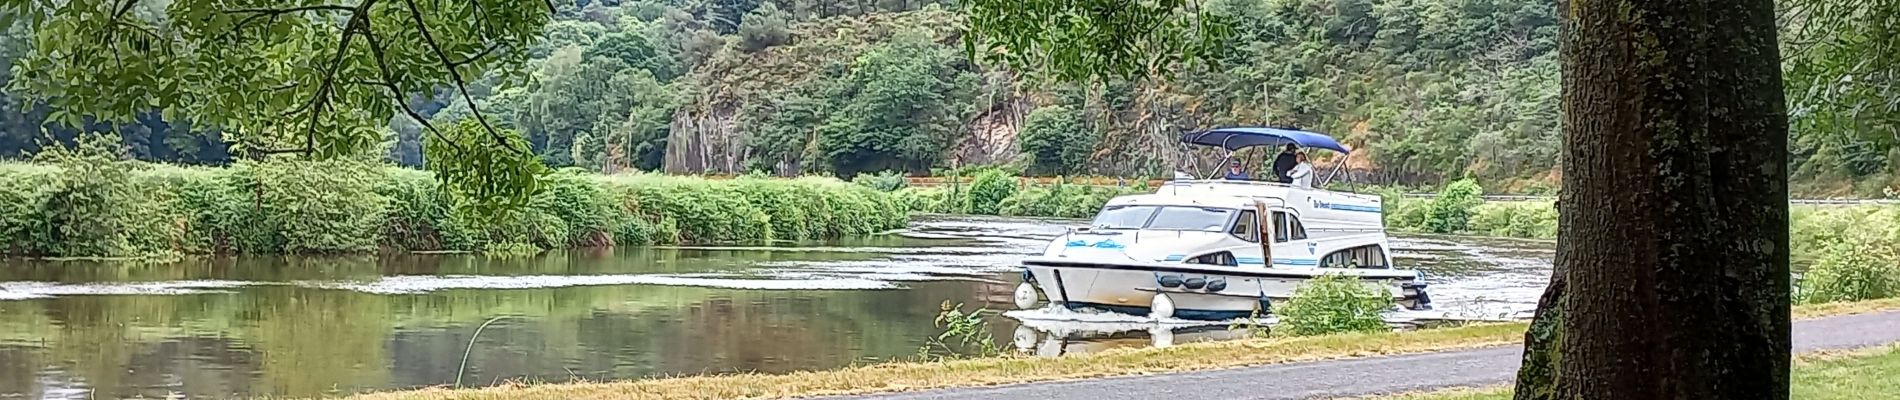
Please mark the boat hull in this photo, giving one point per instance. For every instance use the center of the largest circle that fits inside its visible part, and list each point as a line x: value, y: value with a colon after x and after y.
x: 1131, y: 288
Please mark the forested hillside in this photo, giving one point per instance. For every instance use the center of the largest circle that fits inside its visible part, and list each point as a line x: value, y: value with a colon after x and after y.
x: 1424, y: 89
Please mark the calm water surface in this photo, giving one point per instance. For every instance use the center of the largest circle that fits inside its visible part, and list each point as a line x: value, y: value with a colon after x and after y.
x: 308, y: 326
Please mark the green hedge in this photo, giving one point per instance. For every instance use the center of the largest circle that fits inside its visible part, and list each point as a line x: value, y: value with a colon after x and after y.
x: 1461, y: 209
x: 996, y: 193
x: 102, y: 208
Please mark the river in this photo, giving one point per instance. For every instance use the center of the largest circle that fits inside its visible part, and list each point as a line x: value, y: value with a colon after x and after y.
x: 310, y: 326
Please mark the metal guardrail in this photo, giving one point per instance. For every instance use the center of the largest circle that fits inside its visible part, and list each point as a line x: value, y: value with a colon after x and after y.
x: 1834, y: 202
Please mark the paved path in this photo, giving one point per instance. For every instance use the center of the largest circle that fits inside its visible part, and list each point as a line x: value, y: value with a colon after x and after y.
x: 1367, y: 376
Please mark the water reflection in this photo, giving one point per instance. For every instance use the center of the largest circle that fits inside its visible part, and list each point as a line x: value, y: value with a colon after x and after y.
x: 303, y: 326
x: 1057, y: 343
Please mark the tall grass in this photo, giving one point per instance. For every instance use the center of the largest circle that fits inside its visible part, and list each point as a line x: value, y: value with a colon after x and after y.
x: 103, y: 207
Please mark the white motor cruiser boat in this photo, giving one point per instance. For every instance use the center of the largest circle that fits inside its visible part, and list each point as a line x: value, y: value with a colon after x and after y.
x: 1218, y: 249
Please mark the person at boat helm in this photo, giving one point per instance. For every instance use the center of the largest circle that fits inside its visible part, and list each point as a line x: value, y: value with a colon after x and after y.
x: 1234, y: 172
x: 1302, y: 173
x: 1284, y: 163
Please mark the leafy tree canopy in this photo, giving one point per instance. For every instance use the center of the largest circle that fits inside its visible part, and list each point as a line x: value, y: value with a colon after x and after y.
x: 317, y: 78
x: 1083, y: 40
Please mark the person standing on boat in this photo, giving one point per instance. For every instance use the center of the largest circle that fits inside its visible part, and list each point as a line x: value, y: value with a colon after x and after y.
x: 1302, y: 173
x: 1284, y: 163
x: 1234, y: 172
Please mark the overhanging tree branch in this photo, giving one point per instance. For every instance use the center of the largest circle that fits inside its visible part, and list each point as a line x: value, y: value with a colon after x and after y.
x: 396, y: 92
x: 477, y: 57
x: 460, y: 84
x: 273, y: 13
x: 280, y: 11
x: 320, y: 101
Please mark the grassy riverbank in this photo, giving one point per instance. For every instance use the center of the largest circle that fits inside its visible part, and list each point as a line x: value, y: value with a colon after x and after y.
x: 1838, y: 375
x: 130, y: 209
x: 1839, y: 253
x: 1460, y: 209
x: 898, y: 377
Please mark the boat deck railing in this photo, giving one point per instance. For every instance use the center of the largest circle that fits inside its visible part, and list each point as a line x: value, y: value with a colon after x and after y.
x: 1260, y: 184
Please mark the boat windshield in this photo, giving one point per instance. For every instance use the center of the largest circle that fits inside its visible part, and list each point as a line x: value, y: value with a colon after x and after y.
x: 1192, y: 219
x: 1176, y: 218
x: 1124, y: 217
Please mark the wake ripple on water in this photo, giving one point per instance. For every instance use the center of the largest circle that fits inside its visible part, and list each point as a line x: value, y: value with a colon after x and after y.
x: 945, y: 250
x: 40, y: 290
x: 413, y: 284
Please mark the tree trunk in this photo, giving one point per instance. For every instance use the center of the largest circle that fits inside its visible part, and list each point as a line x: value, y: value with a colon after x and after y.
x: 1672, y: 263
x: 1537, y: 379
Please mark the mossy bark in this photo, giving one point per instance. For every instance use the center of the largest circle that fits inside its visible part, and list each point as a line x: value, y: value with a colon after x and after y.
x: 1672, y: 263
x: 1537, y: 379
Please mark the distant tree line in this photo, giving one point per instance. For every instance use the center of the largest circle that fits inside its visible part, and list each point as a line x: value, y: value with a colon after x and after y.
x: 1420, y: 87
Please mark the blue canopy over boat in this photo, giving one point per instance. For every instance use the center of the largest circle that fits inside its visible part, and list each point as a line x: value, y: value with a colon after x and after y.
x: 1243, y: 137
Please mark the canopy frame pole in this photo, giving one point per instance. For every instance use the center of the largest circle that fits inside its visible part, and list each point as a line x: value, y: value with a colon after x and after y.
x: 1337, y: 166
x: 1224, y: 159
x: 1189, y: 151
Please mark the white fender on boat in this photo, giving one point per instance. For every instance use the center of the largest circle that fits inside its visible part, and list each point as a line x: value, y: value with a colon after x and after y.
x: 1162, y: 307
x: 1025, y: 296
x: 1025, y: 338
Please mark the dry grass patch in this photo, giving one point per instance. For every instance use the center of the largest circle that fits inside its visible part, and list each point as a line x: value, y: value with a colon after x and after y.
x: 1823, y: 310
x: 898, y: 377
x: 996, y: 371
x: 1474, y: 393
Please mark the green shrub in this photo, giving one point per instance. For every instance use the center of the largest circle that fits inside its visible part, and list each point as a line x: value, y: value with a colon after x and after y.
x: 1334, y: 304
x: 704, y: 211
x: 987, y: 192
x: 1034, y: 201
x: 25, y: 189
x: 1084, y: 201
x: 1061, y: 200
x: 887, y: 181
x: 791, y: 219
x: 1451, y: 210
x: 928, y: 200
x: 1529, y: 220
x: 313, y: 206
x: 1405, y: 214
x: 583, y: 206
x: 417, y: 213
x: 1862, y: 267
x: 92, y: 207
x: 1057, y: 140
x: 1813, y: 230
x: 211, y: 209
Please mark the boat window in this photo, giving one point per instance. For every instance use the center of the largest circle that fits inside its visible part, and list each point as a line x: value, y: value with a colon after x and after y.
x: 1221, y: 258
x: 1370, y: 256
x: 1287, y: 227
x: 1244, y: 226
x: 1124, y: 217
x: 1191, y: 219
